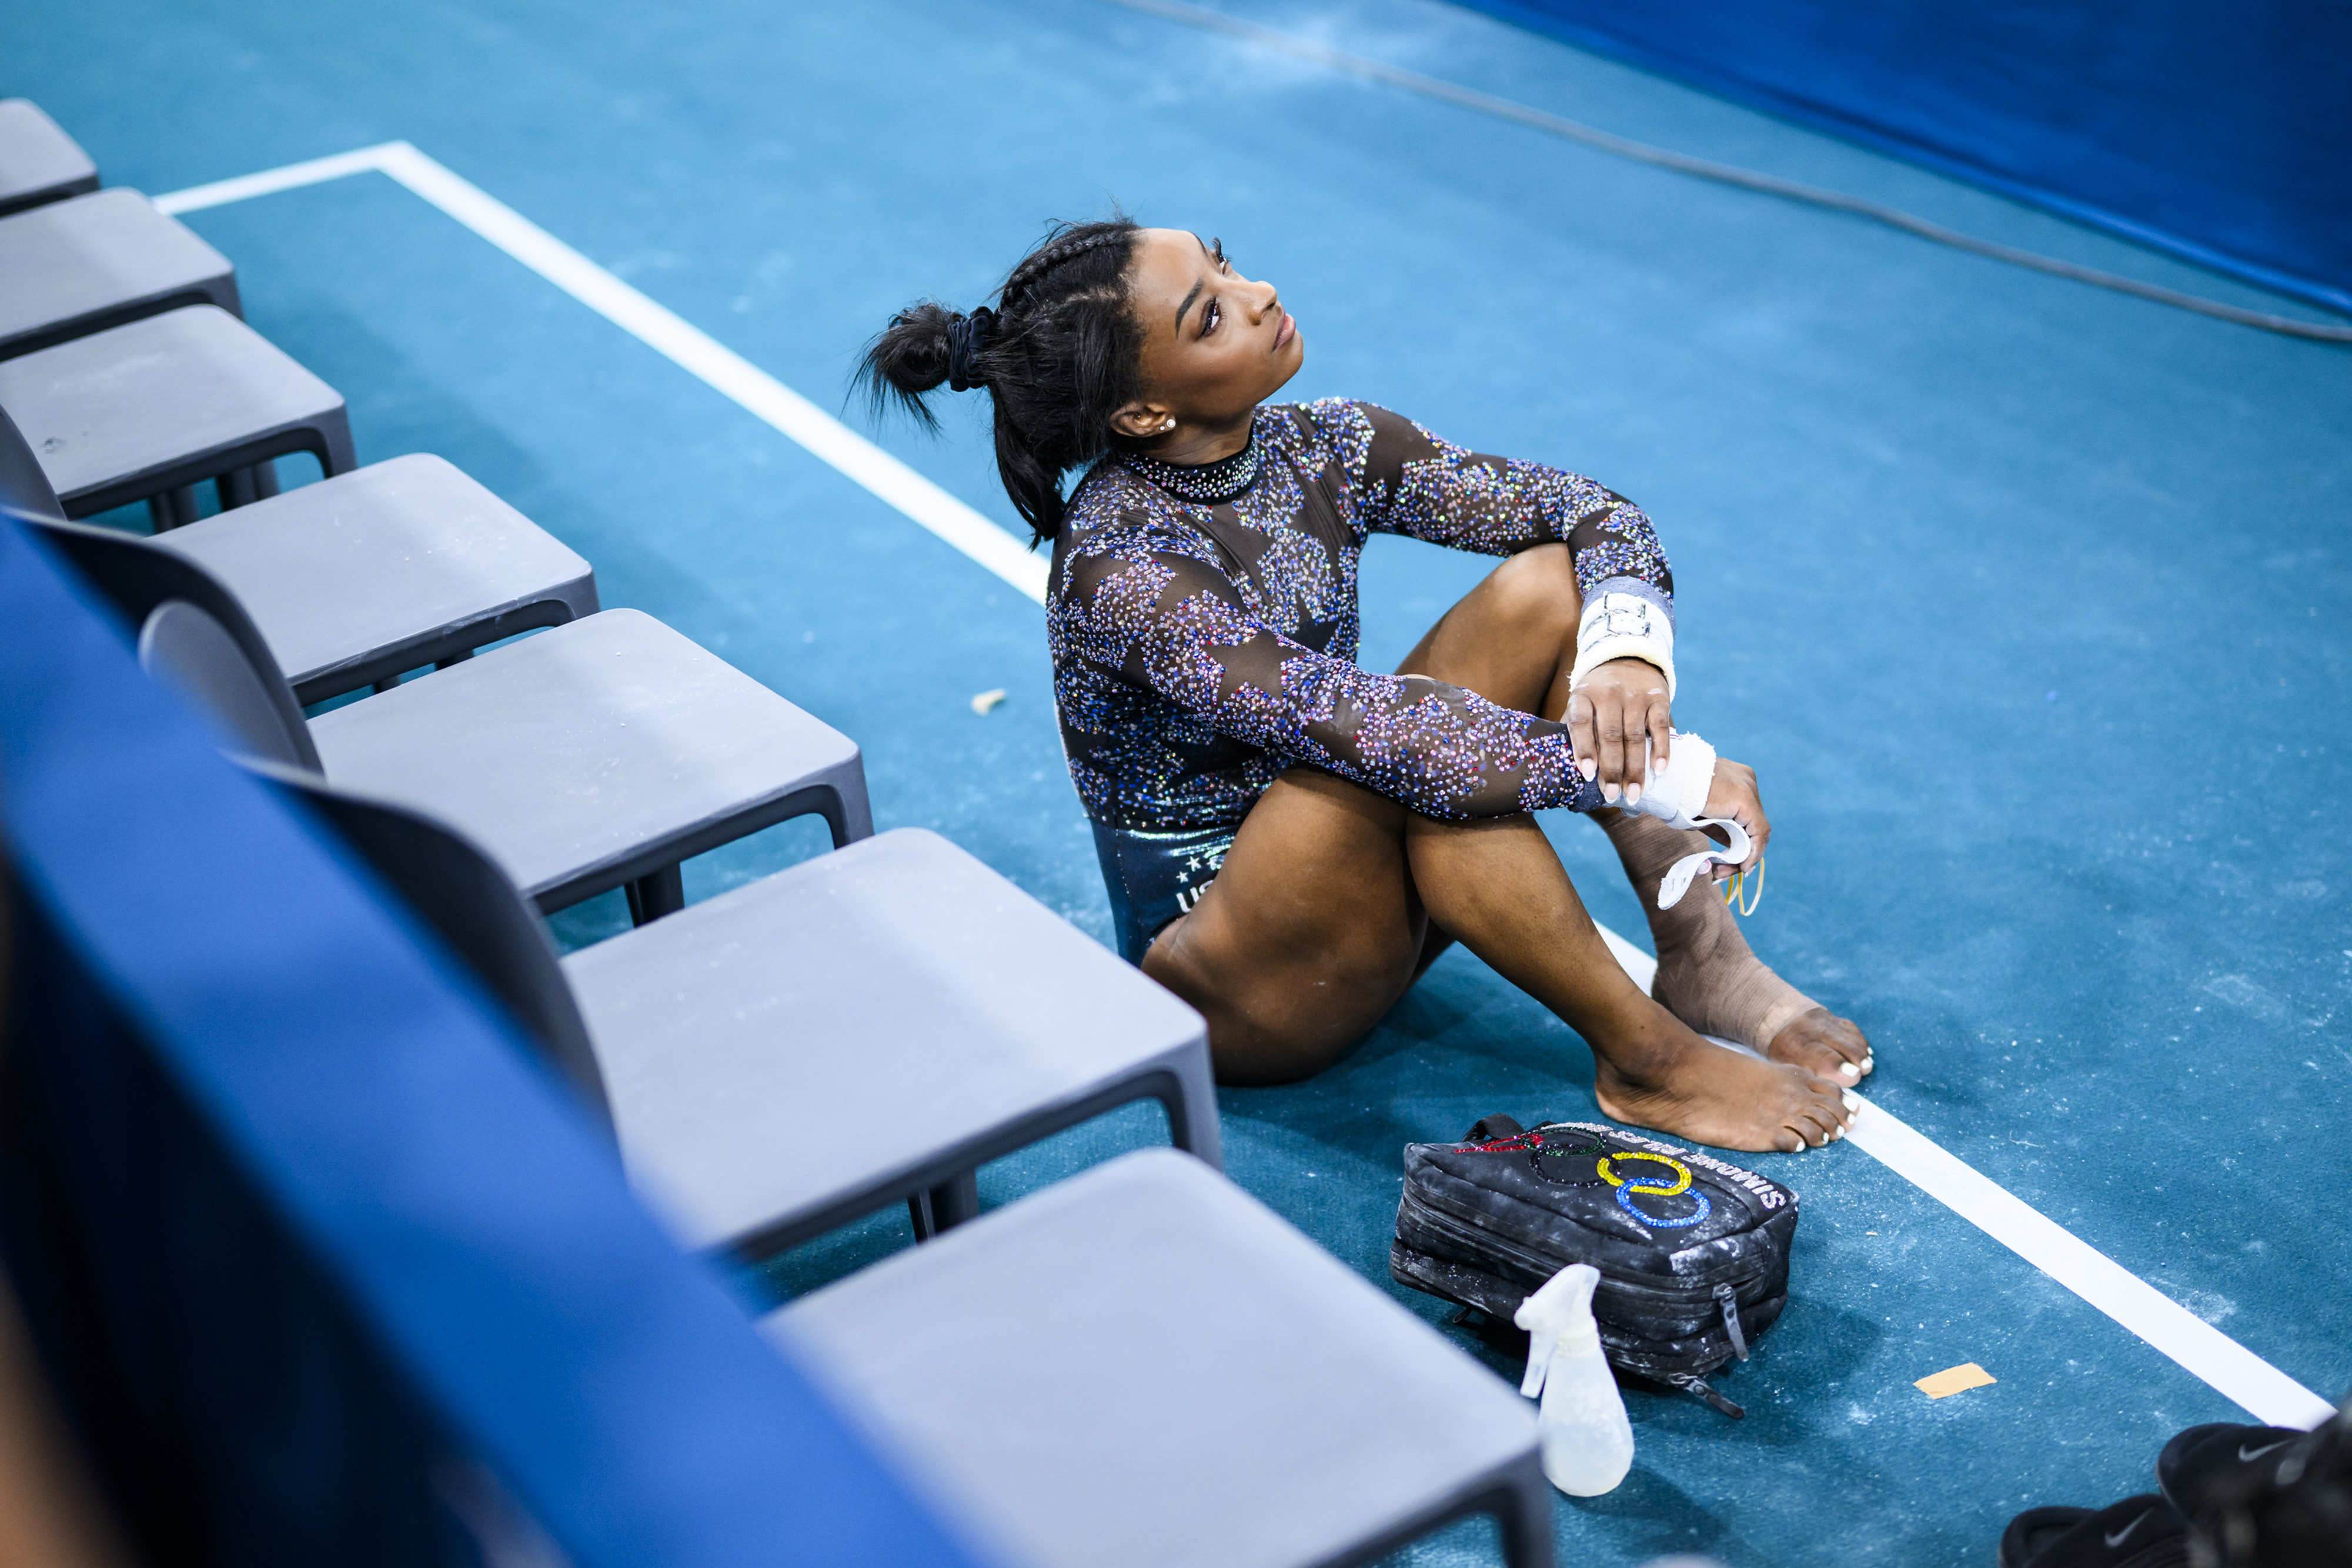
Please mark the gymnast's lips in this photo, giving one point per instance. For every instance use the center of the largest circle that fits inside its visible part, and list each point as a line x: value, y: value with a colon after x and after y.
x: 1286, y: 330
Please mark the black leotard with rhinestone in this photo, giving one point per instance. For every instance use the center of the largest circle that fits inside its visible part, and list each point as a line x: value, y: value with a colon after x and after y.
x: 1203, y: 626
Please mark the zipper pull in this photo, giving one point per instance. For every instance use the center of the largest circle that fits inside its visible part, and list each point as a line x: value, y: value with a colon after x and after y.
x: 1696, y: 1387
x: 1730, y: 1300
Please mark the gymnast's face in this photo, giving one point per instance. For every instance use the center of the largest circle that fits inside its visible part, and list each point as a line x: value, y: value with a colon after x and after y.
x: 1215, y: 345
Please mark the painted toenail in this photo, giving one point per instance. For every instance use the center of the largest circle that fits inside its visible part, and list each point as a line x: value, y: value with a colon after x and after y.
x: 1849, y: 1069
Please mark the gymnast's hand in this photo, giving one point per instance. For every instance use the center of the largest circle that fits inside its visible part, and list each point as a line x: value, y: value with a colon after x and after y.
x: 1609, y: 713
x: 1733, y: 795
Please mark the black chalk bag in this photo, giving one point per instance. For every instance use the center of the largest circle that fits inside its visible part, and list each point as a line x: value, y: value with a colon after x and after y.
x: 1693, y: 1251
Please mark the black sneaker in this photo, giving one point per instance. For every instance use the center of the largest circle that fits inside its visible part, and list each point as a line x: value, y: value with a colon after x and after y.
x: 2138, y: 1532
x: 2196, y: 1460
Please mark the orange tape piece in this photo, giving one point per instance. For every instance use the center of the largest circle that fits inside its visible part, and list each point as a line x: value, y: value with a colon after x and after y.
x: 1954, y: 1380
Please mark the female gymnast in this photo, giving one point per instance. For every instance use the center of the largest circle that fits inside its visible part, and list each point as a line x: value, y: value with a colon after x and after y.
x: 1289, y: 839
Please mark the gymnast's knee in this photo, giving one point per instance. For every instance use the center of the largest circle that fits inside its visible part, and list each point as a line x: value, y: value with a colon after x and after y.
x: 1536, y: 591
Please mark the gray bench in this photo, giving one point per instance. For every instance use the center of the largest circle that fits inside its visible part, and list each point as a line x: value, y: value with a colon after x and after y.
x: 147, y: 411
x: 73, y: 267
x: 386, y: 569
x: 867, y: 1027
x: 596, y: 755
x: 38, y: 162
x: 870, y: 1025
x: 1141, y: 1365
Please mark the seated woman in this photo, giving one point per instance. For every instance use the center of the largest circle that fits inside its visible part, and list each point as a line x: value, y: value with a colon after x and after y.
x: 1290, y: 839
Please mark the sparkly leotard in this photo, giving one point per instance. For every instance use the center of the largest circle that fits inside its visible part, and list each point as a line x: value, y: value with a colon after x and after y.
x: 1202, y: 622
x: 1203, y: 625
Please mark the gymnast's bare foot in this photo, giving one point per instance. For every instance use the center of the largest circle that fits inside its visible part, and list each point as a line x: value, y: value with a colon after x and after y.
x: 1665, y: 1077
x: 1822, y: 1042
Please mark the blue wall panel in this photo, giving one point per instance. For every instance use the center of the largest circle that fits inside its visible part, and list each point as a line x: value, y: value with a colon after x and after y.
x: 2222, y: 133
x: 298, y: 1221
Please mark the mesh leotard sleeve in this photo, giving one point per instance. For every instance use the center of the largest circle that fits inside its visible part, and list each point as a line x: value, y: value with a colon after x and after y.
x: 1405, y: 480
x: 1151, y: 607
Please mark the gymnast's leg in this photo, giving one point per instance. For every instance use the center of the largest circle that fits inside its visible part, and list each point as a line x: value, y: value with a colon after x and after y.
x: 1512, y: 640
x: 1322, y: 914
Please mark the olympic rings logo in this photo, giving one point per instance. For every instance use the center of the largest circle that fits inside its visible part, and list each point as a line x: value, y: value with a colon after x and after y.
x: 1626, y: 1189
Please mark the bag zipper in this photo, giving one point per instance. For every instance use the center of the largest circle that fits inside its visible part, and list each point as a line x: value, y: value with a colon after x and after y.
x: 1730, y: 1299
x: 1463, y: 1231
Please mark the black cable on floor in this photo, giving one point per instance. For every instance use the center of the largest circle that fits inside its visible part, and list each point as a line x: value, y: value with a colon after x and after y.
x: 1721, y: 174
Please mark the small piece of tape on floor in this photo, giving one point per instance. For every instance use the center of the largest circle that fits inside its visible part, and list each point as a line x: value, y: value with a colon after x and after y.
x: 986, y: 700
x: 1954, y: 1380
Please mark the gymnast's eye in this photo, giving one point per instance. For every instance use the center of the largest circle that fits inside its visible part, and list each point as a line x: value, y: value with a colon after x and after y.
x: 1217, y: 249
x: 1210, y: 314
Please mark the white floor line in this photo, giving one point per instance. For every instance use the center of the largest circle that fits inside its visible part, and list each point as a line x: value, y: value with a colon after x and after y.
x: 691, y: 349
x: 2206, y: 1352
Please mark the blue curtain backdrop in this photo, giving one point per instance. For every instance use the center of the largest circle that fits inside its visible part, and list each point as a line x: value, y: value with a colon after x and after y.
x: 2221, y: 132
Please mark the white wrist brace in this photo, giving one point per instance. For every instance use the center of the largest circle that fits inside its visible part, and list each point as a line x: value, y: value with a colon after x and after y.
x: 1621, y: 625
x: 1677, y: 795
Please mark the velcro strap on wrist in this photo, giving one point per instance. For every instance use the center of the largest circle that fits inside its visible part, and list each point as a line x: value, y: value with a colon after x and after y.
x: 1619, y: 625
x: 1676, y: 793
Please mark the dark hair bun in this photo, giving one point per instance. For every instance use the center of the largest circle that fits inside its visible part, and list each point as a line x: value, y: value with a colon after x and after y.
x: 910, y: 355
x: 1059, y: 355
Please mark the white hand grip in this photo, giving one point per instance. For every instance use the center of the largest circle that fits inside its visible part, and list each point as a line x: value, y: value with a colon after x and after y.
x: 1679, y: 875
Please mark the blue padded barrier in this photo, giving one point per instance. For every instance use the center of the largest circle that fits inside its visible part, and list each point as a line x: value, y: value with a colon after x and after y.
x: 2218, y: 132
x: 305, y: 1237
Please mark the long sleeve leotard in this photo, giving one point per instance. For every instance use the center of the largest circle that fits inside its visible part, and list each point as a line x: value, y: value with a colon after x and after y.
x: 1203, y: 625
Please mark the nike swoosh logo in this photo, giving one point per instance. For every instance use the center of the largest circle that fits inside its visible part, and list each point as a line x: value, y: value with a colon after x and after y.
x: 2245, y: 1457
x: 2117, y: 1537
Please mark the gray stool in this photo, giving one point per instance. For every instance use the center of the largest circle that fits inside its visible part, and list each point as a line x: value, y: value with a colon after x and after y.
x: 868, y: 1026
x: 1141, y: 1365
x: 146, y: 411
x: 743, y: 1048
x: 38, y: 162
x: 596, y: 755
x: 78, y: 266
x: 386, y: 569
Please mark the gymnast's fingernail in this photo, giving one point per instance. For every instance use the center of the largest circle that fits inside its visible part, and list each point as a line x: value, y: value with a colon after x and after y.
x: 1633, y: 793
x: 1588, y: 767
x: 1608, y: 793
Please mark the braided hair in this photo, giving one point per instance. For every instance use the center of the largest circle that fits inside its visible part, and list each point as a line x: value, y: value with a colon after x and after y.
x: 1058, y: 355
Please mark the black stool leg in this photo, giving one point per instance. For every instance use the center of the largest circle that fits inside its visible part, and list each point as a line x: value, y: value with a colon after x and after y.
x: 944, y: 1207
x: 651, y: 897
x: 173, y: 508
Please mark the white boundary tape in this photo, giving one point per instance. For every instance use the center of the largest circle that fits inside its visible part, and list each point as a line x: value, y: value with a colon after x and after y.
x: 2206, y: 1352
x: 693, y: 349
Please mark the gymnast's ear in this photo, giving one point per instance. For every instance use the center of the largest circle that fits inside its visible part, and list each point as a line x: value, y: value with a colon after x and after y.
x: 1142, y: 420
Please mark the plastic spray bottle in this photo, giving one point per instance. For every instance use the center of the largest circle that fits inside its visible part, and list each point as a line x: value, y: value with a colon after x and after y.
x: 1588, y: 1444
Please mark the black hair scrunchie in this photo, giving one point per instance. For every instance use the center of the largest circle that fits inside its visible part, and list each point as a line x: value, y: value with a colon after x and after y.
x: 968, y: 338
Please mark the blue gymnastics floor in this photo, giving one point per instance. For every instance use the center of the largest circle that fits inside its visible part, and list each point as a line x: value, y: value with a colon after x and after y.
x: 2026, y: 601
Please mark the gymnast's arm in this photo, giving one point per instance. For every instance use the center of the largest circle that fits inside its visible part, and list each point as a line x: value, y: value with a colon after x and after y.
x: 1408, y: 481
x: 1169, y: 620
